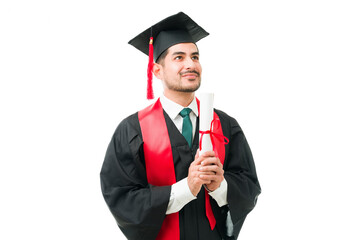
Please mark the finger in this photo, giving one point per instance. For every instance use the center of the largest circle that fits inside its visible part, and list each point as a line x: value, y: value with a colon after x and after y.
x: 198, y: 178
x: 210, y: 168
x: 211, y: 160
x: 206, y: 173
x: 197, y: 154
x: 198, y: 159
x: 214, y: 178
x: 194, y: 172
x: 208, y: 154
x: 201, y: 157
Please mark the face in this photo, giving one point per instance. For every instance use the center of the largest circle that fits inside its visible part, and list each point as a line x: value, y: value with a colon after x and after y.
x: 180, y: 70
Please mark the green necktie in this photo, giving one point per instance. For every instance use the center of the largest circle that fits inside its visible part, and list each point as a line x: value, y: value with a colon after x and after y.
x: 187, y: 126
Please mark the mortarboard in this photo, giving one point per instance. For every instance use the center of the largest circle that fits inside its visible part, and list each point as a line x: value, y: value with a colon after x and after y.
x: 178, y: 28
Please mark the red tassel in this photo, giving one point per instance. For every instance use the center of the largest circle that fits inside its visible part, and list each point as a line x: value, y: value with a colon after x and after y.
x: 150, y: 92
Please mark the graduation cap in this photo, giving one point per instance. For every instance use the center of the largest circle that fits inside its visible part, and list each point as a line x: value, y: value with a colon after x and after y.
x: 178, y: 28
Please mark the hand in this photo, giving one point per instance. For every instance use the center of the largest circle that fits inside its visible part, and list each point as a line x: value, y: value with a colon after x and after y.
x: 211, y: 163
x: 195, y: 177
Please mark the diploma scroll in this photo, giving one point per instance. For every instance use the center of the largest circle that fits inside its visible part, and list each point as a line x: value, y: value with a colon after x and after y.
x: 205, y: 118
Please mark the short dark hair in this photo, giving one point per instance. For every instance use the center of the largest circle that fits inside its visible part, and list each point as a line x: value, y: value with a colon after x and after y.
x: 162, y: 56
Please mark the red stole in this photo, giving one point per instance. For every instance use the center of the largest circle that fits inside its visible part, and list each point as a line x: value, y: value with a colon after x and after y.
x: 159, y: 162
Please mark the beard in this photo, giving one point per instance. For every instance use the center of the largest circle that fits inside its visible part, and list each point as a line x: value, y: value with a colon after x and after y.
x: 179, y: 87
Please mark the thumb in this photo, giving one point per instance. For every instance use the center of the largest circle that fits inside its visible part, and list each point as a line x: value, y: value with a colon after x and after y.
x: 197, y: 153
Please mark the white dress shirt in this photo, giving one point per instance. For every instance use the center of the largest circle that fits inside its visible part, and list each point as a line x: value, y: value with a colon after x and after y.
x: 180, y: 193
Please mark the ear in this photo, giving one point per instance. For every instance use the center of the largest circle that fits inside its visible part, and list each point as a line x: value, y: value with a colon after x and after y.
x: 157, y: 70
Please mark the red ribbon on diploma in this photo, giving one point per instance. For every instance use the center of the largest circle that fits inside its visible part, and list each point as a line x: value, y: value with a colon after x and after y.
x: 224, y: 140
x: 221, y: 155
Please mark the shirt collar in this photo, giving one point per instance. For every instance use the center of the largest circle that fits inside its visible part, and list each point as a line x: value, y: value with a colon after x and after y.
x: 173, y: 109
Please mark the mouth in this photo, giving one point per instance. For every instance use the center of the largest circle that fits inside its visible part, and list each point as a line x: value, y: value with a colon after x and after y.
x: 190, y: 74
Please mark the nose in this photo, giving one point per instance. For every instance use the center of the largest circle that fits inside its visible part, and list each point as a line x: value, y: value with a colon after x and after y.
x: 189, y: 63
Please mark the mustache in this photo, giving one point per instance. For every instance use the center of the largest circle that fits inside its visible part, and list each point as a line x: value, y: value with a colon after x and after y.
x: 193, y: 71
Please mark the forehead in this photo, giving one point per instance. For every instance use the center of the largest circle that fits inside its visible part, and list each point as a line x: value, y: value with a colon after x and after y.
x: 188, y: 48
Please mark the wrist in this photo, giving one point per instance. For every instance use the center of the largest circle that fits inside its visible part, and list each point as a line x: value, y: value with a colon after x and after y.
x: 207, y: 189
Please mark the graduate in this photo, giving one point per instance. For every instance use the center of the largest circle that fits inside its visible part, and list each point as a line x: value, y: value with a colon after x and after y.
x: 153, y: 179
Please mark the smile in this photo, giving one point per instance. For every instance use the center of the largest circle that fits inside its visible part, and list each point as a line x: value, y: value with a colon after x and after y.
x: 190, y: 74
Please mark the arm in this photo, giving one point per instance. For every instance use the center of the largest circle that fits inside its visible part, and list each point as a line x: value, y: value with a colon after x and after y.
x: 240, y: 174
x: 138, y: 207
x: 187, y: 189
x: 180, y: 196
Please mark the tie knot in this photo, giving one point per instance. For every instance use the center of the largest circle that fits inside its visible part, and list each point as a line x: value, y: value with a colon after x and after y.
x: 185, y: 112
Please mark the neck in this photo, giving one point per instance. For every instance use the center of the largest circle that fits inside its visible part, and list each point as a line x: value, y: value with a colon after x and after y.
x: 182, y: 98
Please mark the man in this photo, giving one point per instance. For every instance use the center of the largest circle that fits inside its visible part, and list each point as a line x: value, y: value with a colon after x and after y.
x: 153, y: 179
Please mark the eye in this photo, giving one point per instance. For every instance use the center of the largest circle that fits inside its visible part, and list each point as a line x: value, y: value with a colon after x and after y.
x: 195, y: 58
x: 178, y: 58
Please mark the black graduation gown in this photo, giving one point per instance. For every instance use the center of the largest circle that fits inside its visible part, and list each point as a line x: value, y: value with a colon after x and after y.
x: 139, y: 208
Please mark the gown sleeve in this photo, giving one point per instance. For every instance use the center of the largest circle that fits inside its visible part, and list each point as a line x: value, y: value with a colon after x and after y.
x: 138, y: 207
x: 240, y: 174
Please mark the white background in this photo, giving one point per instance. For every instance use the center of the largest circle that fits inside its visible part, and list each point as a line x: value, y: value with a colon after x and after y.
x: 288, y: 71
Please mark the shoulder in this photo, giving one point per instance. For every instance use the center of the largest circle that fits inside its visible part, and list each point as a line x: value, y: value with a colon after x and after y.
x: 128, y: 128
x: 228, y: 121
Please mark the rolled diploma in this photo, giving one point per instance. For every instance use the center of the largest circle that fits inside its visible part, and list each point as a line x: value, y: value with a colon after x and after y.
x: 205, y: 118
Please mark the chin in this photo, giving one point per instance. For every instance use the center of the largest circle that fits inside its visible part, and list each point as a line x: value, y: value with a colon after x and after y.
x: 191, y: 89
x: 190, y: 86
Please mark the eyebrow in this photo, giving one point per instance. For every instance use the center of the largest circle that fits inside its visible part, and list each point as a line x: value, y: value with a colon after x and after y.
x: 183, y: 53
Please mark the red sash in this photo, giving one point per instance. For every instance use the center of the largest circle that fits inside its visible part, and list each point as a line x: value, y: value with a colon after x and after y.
x: 159, y: 162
